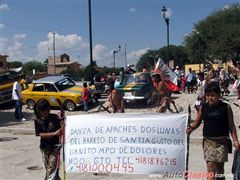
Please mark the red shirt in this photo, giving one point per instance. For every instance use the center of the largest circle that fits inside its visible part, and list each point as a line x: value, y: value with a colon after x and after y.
x: 85, y: 94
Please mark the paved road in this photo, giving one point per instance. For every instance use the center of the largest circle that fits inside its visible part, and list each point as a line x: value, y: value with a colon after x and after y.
x: 19, y: 151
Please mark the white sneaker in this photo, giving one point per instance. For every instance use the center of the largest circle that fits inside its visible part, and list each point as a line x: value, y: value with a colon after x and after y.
x: 23, y: 119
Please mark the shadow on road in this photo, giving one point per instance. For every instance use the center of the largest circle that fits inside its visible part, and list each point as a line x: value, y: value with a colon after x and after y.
x: 8, y: 118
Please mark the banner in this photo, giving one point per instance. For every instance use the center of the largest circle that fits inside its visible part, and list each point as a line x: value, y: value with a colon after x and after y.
x: 125, y: 143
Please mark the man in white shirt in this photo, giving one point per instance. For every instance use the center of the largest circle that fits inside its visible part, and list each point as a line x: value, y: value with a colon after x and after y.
x: 17, y: 97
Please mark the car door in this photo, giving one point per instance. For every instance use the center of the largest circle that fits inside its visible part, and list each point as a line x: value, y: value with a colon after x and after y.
x: 51, y: 94
x: 38, y: 92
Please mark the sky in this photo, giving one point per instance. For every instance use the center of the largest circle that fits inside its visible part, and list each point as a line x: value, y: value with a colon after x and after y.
x: 27, y: 26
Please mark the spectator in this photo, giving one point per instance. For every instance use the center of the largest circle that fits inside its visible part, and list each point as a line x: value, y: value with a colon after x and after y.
x: 224, y: 81
x: 85, y: 94
x: 183, y: 82
x: 144, y: 69
x: 17, y: 97
x: 190, y: 80
x: 201, y: 91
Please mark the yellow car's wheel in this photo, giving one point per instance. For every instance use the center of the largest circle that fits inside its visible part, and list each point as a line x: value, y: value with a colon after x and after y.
x: 69, y: 105
x: 30, y: 104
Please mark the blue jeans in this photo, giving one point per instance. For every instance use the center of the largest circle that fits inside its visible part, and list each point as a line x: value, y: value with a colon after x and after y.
x: 85, y: 108
x: 18, y: 109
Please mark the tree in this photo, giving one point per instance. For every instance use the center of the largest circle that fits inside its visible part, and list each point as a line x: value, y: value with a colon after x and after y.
x: 218, y: 35
x: 14, y: 64
x: 176, y: 53
x: 29, y: 66
x: 147, y: 60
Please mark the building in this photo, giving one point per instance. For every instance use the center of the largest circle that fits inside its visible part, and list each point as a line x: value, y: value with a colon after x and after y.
x: 3, y: 62
x: 62, y: 63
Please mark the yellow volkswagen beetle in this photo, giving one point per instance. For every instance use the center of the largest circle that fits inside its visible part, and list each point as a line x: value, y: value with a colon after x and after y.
x: 52, y: 88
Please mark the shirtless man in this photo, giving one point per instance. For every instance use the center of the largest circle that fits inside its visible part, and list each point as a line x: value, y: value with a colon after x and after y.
x: 164, y: 96
x: 116, y: 101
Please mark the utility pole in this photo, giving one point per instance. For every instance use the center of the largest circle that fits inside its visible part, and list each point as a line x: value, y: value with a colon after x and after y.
x: 114, y: 52
x: 90, y: 39
x: 54, y: 53
x: 125, y: 54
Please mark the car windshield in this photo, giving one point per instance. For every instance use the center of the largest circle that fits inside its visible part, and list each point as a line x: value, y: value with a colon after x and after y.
x: 135, y: 78
x: 64, y: 84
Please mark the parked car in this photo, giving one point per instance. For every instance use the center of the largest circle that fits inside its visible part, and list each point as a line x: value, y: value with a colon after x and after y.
x: 7, y: 79
x: 137, y: 86
x: 52, y: 88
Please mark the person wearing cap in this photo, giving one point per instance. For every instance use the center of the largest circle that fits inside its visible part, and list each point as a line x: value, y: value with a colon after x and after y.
x: 129, y: 69
x: 178, y: 71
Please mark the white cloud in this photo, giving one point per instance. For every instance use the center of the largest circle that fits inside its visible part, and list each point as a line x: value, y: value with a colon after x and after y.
x: 15, y: 51
x: 2, y: 26
x: 3, y: 40
x: 19, y: 36
x: 4, y: 7
x: 3, y: 45
x: 132, y: 9
x: 98, y: 52
x: 168, y: 13
x: 63, y: 43
x: 133, y: 56
x: 225, y: 7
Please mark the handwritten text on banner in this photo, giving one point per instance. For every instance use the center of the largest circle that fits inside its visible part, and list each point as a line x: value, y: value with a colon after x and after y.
x: 125, y: 143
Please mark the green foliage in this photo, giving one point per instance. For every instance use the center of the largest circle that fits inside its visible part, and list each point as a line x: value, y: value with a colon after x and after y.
x: 14, y: 64
x: 29, y: 66
x: 218, y: 36
x: 147, y: 60
x: 176, y: 53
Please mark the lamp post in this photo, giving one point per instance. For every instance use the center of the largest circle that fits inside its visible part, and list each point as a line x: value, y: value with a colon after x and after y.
x: 164, y: 13
x: 115, y: 52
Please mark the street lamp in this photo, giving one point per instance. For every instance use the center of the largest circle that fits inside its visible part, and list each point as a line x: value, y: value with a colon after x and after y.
x: 115, y: 52
x: 164, y: 13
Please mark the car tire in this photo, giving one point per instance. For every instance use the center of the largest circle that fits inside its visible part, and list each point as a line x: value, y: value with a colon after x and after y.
x: 30, y: 103
x: 69, y: 105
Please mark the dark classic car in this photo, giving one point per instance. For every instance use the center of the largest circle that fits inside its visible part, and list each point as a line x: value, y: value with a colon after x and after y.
x: 137, y: 86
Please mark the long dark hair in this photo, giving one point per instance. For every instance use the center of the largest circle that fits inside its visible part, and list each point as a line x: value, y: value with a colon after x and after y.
x: 40, y: 106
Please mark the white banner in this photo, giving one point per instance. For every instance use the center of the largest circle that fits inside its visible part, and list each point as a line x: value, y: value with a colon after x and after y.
x: 126, y: 143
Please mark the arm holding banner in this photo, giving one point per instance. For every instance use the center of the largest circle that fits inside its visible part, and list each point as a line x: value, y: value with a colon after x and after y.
x: 232, y: 128
x: 196, y: 123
